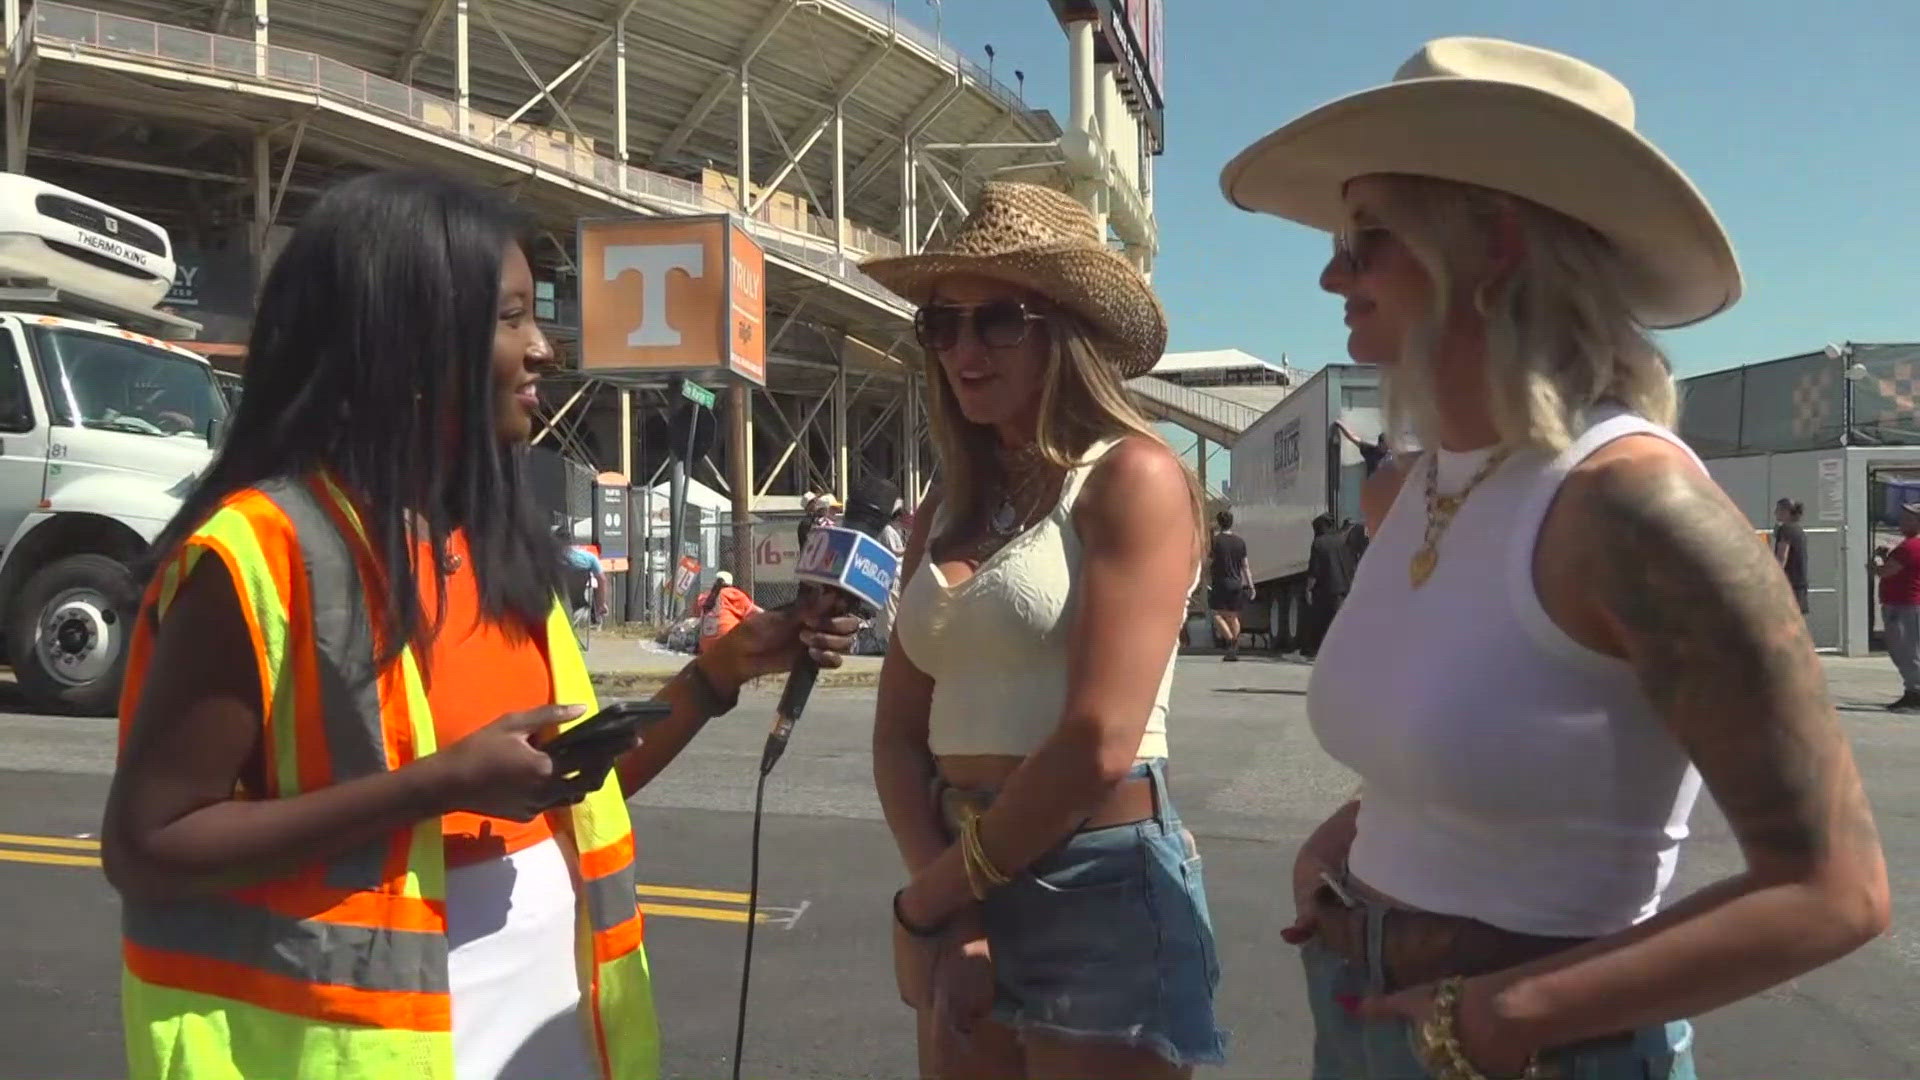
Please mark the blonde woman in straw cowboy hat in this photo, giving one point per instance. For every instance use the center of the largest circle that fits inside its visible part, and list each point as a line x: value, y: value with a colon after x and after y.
x: 1580, y: 624
x: 1054, y: 923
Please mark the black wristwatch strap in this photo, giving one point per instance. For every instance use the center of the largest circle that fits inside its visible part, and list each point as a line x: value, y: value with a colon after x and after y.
x: 712, y: 702
x: 923, y: 932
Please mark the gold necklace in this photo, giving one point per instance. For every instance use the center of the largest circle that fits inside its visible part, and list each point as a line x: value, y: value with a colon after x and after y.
x: 1440, y: 512
x: 1021, y: 472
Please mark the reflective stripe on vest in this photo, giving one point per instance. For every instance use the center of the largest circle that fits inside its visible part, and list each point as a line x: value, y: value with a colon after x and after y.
x: 351, y: 951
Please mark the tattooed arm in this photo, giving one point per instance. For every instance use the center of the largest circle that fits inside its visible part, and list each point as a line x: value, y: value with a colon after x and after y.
x: 1644, y: 558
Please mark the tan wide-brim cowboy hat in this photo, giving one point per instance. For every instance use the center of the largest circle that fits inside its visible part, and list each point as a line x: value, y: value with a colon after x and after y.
x: 1044, y: 241
x: 1533, y: 123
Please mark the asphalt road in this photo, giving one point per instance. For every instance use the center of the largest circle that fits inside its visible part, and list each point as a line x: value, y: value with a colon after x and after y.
x: 1248, y: 776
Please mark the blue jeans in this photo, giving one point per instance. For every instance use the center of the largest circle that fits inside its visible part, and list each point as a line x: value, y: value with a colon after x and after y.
x: 1348, y: 1048
x: 1107, y: 937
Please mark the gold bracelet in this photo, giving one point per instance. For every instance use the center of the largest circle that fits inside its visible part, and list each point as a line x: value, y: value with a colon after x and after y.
x: 982, y: 875
x: 974, y: 885
x: 991, y: 872
x: 1440, y: 1048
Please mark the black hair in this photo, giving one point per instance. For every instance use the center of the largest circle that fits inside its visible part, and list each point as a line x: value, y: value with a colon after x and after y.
x: 1792, y: 508
x: 713, y: 596
x: 1224, y: 519
x: 1323, y: 524
x: 372, y: 357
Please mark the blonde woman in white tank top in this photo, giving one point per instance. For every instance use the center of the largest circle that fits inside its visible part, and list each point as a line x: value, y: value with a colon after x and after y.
x: 1054, y: 922
x: 1561, y: 626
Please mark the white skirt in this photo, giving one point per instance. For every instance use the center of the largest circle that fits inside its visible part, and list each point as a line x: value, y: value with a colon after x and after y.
x: 511, y: 966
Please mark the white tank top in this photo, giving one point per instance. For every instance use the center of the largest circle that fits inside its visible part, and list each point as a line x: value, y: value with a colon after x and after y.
x: 995, y: 645
x: 1511, y: 774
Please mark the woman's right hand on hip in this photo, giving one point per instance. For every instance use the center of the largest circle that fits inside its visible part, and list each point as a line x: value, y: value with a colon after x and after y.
x: 1325, y: 852
x: 496, y: 770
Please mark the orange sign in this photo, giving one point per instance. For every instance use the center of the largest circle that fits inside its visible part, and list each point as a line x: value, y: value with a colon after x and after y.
x: 672, y: 294
x: 747, y: 270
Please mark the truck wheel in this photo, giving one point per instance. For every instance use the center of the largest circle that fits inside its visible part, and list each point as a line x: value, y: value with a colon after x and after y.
x: 70, y: 632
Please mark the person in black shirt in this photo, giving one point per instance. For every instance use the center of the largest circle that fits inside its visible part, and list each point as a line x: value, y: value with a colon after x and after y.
x: 1230, y: 583
x: 1374, y: 454
x: 1330, y: 565
x: 1790, y: 547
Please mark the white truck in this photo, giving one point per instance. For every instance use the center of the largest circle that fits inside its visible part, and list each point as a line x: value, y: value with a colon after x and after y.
x: 103, y: 429
x: 1293, y: 465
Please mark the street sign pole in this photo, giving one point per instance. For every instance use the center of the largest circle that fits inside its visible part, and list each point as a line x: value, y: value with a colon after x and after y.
x: 693, y: 427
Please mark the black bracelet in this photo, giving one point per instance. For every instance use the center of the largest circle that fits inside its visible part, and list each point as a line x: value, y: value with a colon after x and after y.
x: 711, y: 701
x: 922, y: 932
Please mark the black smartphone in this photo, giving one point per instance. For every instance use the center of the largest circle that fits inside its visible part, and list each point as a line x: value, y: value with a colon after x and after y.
x: 611, y: 726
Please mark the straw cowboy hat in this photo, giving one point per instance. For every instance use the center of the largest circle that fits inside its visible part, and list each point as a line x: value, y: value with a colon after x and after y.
x: 1045, y: 241
x: 1549, y: 128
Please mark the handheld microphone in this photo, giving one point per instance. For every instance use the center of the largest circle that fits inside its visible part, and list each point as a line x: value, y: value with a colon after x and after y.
x: 849, y: 559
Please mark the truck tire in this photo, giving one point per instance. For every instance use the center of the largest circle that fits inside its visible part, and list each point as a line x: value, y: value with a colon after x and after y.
x: 69, y: 634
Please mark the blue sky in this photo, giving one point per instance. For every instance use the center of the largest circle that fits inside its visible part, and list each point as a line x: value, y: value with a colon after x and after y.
x: 1797, y: 120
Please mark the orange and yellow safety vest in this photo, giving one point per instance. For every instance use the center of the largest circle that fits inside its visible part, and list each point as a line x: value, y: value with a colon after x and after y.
x: 338, y: 969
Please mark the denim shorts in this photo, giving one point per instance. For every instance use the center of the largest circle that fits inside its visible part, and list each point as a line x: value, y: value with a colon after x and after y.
x: 1348, y: 1048
x: 1107, y: 937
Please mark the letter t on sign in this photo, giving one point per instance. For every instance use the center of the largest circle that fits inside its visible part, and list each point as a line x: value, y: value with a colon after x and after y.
x: 653, y: 264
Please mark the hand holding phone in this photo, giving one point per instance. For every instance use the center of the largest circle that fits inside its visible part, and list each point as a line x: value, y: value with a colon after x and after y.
x: 583, y: 754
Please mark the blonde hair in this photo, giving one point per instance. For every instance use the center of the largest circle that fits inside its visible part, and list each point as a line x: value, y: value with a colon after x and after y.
x: 1082, y: 401
x: 1561, y: 337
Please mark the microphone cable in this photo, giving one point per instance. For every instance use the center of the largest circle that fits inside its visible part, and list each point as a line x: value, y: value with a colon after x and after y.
x: 753, y: 919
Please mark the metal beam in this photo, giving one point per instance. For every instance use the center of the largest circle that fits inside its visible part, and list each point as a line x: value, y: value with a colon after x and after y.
x: 925, y: 113
x: 106, y: 162
x: 620, y: 95
x: 1052, y: 144
x: 260, y: 44
x: 22, y: 78
x: 618, y: 39
x: 718, y: 86
x: 462, y: 69
x: 262, y: 201
x: 486, y: 12
x: 824, y: 118
x: 286, y: 171
x: 793, y: 159
x: 423, y: 33
x: 840, y: 481
x: 546, y: 91
x: 931, y: 168
x: 222, y: 16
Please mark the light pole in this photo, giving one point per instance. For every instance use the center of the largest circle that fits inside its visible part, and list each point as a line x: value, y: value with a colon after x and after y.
x: 1852, y: 372
x: 989, y: 65
x: 1020, y: 80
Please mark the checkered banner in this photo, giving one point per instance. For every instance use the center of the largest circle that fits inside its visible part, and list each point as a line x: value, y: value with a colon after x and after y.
x: 1816, y: 401
x: 1886, y: 403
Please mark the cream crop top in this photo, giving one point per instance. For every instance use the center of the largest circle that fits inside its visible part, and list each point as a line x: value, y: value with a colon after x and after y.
x: 995, y: 645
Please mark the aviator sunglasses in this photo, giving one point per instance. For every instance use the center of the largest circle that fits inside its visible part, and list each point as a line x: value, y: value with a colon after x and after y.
x: 1358, y: 246
x: 997, y: 324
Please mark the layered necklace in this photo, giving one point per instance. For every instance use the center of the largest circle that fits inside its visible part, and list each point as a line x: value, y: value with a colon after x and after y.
x: 1023, y: 471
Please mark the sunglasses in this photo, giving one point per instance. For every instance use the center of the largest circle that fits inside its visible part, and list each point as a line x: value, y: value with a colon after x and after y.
x: 1358, y: 246
x: 997, y: 324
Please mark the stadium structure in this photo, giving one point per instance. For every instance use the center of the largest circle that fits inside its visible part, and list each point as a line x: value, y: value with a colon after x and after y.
x: 833, y: 130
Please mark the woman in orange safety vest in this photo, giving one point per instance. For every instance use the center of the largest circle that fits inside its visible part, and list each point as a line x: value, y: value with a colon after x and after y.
x: 339, y: 850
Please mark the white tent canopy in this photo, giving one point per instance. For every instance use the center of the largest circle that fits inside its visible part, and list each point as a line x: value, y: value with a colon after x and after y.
x: 698, y: 494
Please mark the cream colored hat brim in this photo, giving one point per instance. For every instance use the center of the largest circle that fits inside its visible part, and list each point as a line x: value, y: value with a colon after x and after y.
x: 1511, y: 138
x: 1099, y: 286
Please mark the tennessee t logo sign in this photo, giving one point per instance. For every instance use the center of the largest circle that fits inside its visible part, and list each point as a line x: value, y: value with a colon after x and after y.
x: 653, y: 264
x: 672, y: 294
